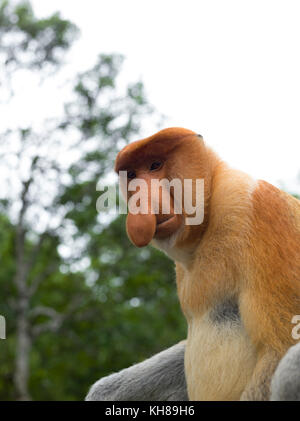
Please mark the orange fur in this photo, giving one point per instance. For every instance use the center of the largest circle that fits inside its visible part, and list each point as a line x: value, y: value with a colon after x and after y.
x: 273, y: 286
x: 247, y: 249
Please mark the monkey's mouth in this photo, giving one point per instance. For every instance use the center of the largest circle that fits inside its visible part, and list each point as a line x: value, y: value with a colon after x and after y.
x: 166, y: 225
x: 142, y: 228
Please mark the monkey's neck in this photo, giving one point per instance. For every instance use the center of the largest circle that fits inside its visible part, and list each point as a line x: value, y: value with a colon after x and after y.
x: 220, y: 256
x: 188, y: 239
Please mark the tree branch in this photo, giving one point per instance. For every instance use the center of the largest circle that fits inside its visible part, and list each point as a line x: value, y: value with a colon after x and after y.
x: 56, y: 318
x: 55, y: 322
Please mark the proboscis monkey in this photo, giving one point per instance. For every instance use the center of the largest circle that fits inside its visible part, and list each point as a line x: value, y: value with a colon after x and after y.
x: 238, y: 271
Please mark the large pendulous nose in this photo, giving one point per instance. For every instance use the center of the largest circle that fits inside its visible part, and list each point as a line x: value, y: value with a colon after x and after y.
x: 140, y: 228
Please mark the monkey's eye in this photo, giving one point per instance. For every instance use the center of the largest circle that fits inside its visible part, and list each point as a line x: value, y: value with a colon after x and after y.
x: 131, y: 174
x: 155, y: 165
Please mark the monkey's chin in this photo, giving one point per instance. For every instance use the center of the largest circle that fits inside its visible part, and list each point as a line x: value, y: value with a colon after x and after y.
x: 168, y: 227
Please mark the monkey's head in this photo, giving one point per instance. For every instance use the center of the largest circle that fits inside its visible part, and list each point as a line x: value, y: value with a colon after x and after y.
x: 173, y: 155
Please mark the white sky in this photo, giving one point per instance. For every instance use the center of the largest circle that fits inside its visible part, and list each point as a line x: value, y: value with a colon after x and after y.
x: 229, y: 70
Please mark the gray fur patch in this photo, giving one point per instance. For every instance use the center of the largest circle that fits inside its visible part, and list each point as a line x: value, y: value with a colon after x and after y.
x: 227, y: 311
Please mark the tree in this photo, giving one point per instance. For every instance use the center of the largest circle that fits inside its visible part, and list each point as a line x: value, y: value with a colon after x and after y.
x: 73, y: 292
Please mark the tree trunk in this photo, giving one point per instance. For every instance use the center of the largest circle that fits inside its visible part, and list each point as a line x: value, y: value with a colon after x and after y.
x: 23, y: 348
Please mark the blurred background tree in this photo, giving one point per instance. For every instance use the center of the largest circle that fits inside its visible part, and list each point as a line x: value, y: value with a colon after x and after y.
x: 79, y: 300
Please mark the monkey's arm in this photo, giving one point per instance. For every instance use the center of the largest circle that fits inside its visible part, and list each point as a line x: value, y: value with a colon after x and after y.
x: 258, y: 388
x: 159, y: 378
x: 276, y: 379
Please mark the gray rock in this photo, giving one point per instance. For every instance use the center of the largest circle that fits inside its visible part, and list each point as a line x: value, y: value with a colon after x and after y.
x: 159, y: 378
x: 286, y: 380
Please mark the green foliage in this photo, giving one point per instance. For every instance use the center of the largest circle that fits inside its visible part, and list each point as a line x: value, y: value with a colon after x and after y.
x: 28, y: 42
